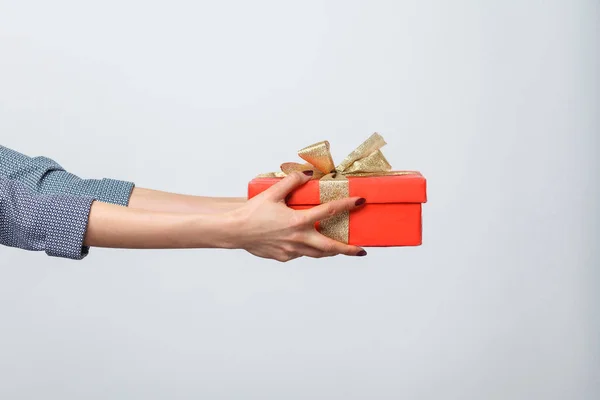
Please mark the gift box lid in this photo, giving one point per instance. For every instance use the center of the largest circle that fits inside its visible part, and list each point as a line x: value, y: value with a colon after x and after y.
x: 411, y: 188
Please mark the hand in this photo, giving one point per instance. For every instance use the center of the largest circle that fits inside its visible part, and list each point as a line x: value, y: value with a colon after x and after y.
x: 268, y: 228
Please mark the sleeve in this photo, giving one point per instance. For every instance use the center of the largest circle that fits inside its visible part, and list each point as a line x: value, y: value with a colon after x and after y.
x: 45, y: 176
x: 53, y: 223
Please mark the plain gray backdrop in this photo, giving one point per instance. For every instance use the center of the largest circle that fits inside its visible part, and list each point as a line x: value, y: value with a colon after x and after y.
x: 496, y: 102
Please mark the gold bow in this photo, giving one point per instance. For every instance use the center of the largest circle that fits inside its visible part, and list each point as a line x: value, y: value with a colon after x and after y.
x: 366, y: 160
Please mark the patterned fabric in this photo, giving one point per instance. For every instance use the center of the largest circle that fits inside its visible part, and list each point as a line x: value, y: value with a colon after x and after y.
x: 54, y: 223
x: 45, y: 176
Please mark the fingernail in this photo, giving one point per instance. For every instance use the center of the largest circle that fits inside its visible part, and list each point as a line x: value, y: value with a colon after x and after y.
x: 361, y: 253
x: 360, y: 201
x: 308, y: 173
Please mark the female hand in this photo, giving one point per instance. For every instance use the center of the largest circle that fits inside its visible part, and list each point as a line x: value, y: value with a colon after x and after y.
x: 266, y: 227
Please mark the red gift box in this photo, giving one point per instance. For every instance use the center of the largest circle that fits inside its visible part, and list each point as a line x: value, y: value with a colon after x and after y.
x: 392, y: 215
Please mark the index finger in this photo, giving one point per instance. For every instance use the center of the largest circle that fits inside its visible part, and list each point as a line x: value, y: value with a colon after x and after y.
x: 329, y: 209
x: 282, y: 188
x: 333, y: 247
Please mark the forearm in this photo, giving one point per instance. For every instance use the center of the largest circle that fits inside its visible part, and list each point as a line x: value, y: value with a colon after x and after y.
x: 154, y: 200
x: 120, y: 227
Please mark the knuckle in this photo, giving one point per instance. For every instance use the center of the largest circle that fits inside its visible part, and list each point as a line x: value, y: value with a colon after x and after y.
x: 287, y: 182
x: 296, y: 176
x: 287, y: 254
x: 297, y: 237
x: 350, y: 204
x: 330, y: 248
x: 282, y: 258
x: 330, y: 209
x: 288, y: 249
x: 298, y: 219
x: 349, y: 251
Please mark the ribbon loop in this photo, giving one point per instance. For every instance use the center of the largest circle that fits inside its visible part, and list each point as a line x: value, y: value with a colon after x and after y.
x: 369, y: 146
x: 319, y: 156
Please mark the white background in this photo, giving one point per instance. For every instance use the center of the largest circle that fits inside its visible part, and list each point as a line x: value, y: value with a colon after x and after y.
x: 497, y: 103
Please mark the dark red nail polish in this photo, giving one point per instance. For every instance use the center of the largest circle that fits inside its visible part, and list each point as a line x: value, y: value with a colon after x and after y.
x: 308, y: 173
x: 361, y: 253
x: 360, y: 201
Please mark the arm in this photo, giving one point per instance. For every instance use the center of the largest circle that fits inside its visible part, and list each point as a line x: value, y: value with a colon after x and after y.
x: 66, y: 226
x: 55, y: 224
x: 45, y: 176
x: 264, y: 226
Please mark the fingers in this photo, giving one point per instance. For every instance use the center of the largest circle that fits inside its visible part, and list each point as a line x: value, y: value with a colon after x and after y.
x: 323, y: 246
x: 312, y: 252
x: 318, y: 246
x: 327, y: 246
x: 309, y: 251
x: 327, y: 210
x: 281, y: 189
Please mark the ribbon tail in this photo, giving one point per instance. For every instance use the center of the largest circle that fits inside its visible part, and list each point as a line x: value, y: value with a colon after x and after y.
x: 336, y: 227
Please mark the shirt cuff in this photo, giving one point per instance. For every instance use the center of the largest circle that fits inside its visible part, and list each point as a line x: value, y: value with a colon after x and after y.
x: 114, y: 191
x: 66, y: 226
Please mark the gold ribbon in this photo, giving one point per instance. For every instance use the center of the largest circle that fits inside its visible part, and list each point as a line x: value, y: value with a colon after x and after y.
x: 366, y: 160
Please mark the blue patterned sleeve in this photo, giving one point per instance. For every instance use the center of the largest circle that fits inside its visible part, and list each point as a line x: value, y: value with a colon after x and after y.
x: 45, y: 176
x: 52, y: 223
